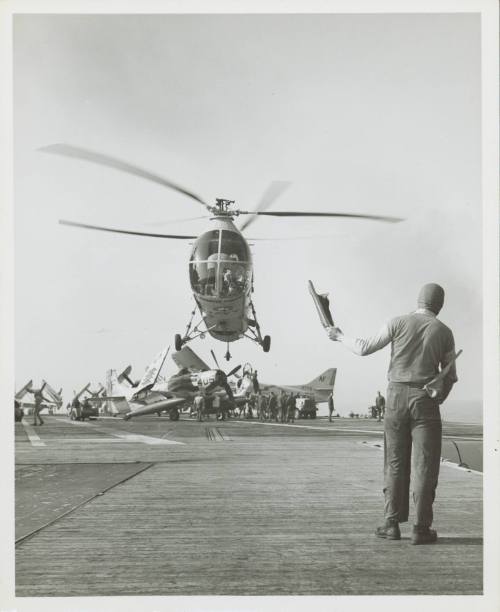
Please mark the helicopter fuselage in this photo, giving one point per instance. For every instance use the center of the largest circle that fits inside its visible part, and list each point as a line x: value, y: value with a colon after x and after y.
x: 221, y: 275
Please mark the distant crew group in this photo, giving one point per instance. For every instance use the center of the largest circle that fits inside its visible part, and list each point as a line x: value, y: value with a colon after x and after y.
x: 279, y: 407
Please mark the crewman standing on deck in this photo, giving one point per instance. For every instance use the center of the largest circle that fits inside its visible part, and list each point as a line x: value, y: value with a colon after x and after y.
x: 292, y: 406
x: 380, y: 404
x: 420, y: 346
x: 39, y: 399
x: 273, y: 407
x: 282, y: 403
x: 331, y: 406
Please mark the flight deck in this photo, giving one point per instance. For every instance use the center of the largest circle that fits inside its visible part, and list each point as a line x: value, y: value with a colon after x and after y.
x: 236, y: 507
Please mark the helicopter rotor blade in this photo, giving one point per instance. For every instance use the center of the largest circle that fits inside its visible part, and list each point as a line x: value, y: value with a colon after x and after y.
x: 132, y: 233
x: 215, y: 359
x: 272, y: 193
x: 293, y: 213
x: 173, y: 221
x: 118, y: 164
x: 233, y: 371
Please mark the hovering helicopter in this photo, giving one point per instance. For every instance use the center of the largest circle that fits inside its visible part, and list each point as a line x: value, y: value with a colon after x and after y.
x: 220, y: 266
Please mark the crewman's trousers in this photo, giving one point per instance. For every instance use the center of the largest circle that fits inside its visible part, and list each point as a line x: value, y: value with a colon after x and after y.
x: 412, y: 419
x: 36, y: 415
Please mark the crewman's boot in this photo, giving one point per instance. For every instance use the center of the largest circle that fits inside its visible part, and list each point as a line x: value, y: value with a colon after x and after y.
x: 389, y: 531
x: 423, y: 535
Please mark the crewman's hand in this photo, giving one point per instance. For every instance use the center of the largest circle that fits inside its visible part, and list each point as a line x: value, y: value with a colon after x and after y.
x: 334, y: 333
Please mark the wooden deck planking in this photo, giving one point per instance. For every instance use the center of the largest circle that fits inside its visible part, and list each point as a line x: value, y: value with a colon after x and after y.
x: 272, y: 515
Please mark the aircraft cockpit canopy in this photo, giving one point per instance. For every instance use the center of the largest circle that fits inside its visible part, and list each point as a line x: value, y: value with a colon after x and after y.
x: 221, y: 264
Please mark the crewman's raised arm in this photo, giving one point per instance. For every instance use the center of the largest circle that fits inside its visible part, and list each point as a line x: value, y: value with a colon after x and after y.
x: 362, y: 346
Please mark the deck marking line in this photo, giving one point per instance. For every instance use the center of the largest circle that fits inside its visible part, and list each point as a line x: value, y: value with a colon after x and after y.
x: 130, y: 437
x: 443, y: 461
x: 374, y: 431
x: 86, y: 440
x: 347, y: 430
x: 79, y: 505
x: 32, y: 435
x: 127, y: 437
x: 224, y: 436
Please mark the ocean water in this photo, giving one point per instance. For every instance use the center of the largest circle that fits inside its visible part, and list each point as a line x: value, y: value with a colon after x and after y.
x: 458, y: 411
x: 463, y: 411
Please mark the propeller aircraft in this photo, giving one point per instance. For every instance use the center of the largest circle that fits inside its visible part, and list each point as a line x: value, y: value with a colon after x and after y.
x: 153, y: 397
x: 194, y: 377
x: 220, y: 265
x: 54, y: 399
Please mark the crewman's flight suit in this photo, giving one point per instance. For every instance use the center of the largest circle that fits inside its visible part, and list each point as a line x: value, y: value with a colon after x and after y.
x: 330, y: 407
x: 420, y: 345
x: 38, y: 395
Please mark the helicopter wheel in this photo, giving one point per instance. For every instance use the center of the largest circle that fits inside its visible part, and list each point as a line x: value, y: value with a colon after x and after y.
x: 178, y: 342
x: 266, y: 344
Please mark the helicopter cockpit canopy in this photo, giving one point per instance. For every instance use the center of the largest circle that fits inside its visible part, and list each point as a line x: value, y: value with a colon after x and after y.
x: 220, y: 264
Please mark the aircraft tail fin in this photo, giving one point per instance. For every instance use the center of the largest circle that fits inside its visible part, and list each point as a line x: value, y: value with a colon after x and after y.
x: 326, y: 380
x: 114, y: 388
x: 125, y: 375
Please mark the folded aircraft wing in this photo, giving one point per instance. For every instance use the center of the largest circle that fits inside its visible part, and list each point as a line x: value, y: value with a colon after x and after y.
x: 187, y: 358
x: 151, y: 374
x: 53, y: 393
x: 22, y: 392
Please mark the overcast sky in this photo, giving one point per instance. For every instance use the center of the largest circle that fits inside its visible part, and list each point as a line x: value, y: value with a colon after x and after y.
x: 369, y: 114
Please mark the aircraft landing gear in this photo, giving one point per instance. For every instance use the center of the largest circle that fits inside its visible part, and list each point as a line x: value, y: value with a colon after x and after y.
x: 228, y: 354
x: 173, y: 414
x: 266, y: 344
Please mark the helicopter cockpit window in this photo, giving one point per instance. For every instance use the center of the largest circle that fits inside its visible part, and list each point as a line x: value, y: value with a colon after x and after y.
x: 220, y: 264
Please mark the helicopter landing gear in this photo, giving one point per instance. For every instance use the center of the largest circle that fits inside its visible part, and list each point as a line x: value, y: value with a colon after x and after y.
x: 192, y: 332
x: 255, y: 334
x: 178, y: 342
x: 228, y: 354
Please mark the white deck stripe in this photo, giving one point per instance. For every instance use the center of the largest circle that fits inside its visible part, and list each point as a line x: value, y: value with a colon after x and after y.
x: 85, y: 440
x: 32, y: 435
x: 125, y: 436
x: 129, y: 437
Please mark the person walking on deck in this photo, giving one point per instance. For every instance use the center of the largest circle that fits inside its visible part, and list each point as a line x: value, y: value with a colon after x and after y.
x: 421, y: 347
x: 380, y: 404
x: 39, y: 399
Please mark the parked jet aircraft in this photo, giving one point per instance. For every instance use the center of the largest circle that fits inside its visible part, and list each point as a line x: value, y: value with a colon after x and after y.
x: 319, y: 388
